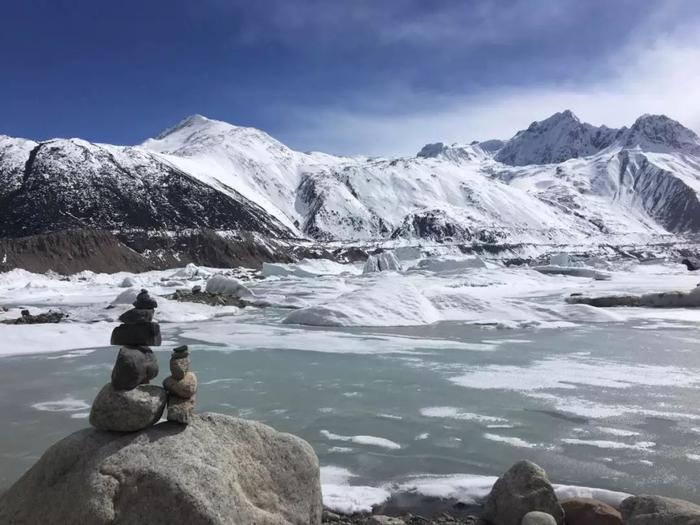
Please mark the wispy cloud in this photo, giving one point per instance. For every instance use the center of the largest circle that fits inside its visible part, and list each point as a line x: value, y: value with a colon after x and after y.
x: 654, y: 73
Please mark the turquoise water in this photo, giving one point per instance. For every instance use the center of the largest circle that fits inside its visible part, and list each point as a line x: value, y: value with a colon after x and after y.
x: 615, y: 406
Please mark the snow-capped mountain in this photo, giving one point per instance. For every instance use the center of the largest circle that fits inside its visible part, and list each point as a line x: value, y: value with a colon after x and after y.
x: 560, y: 180
x: 556, y: 139
x: 61, y: 184
x: 245, y: 160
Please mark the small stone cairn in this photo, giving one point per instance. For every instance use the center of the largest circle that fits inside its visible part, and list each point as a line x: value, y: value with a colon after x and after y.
x: 181, y: 386
x: 129, y: 403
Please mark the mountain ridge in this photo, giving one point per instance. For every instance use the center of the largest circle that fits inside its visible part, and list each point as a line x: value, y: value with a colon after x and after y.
x: 559, y: 179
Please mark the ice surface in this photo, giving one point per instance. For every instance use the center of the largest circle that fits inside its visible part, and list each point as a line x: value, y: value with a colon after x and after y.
x: 383, y: 302
x: 455, y: 413
x: 372, y: 441
x: 308, y: 268
x: 566, y: 373
x: 512, y: 441
x: 67, y: 404
x: 601, y: 443
x: 341, y: 496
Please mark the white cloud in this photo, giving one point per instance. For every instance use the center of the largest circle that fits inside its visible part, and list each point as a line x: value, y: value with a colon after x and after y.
x: 658, y: 76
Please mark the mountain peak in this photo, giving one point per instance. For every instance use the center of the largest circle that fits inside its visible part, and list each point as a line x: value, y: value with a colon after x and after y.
x: 195, y: 120
x: 566, y: 118
x: 660, y: 133
x: 557, y: 138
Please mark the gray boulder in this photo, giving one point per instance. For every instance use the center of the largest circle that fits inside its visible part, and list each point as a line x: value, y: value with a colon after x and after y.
x: 657, y: 510
x: 218, y: 470
x: 524, y: 488
x: 128, y: 410
x: 538, y: 518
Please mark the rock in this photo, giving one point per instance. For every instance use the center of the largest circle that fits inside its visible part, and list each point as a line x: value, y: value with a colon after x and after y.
x: 585, y: 511
x: 228, y: 286
x: 657, y: 510
x: 51, y: 316
x: 330, y: 517
x: 180, y: 410
x: 184, y: 388
x: 196, y: 289
x: 653, y: 300
x: 538, y: 518
x: 691, y: 263
x: 136, y: 315
x: 217, y: 471
x: 127, y: 410
x: 524, y: 488
x: 385, y: 520
x: 179, y: 366
x: 141, y: 334
x: 134, y: 367
x: 181, y: 351
x: 145, y: 301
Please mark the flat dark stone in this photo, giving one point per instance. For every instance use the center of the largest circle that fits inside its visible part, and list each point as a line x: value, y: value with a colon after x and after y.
x: 180, y: 352
x: 140, y: 334
x: 137, y: 315
x: 134, y: 367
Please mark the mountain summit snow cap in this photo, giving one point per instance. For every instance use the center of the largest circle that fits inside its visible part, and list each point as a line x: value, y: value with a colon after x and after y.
x: 659, y: 133
x: 195, y: 120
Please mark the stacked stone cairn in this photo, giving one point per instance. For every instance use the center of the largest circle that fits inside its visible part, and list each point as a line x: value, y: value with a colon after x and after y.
x: 128, y: 403
x: 181, y: 386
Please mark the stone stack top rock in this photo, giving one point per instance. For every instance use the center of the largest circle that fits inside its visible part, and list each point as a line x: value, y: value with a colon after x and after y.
x: 144, y: 301
x: 181, y: 352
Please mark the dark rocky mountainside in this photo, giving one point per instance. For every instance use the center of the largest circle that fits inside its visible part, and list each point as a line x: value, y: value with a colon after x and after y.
x: 75, y: 184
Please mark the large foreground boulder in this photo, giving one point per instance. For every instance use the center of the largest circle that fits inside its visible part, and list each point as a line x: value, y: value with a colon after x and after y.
x: 657, y: 510
x: 217, y: 470
x: 524, y: 488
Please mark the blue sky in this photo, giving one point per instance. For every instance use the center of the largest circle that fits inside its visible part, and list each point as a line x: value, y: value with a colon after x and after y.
x: 354, y: 76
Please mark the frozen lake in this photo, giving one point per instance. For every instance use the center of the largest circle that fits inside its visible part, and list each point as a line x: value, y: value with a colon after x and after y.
x: 607, y: 399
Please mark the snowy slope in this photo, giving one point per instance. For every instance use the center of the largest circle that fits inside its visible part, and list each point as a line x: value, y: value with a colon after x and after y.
x: 245, y: 159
